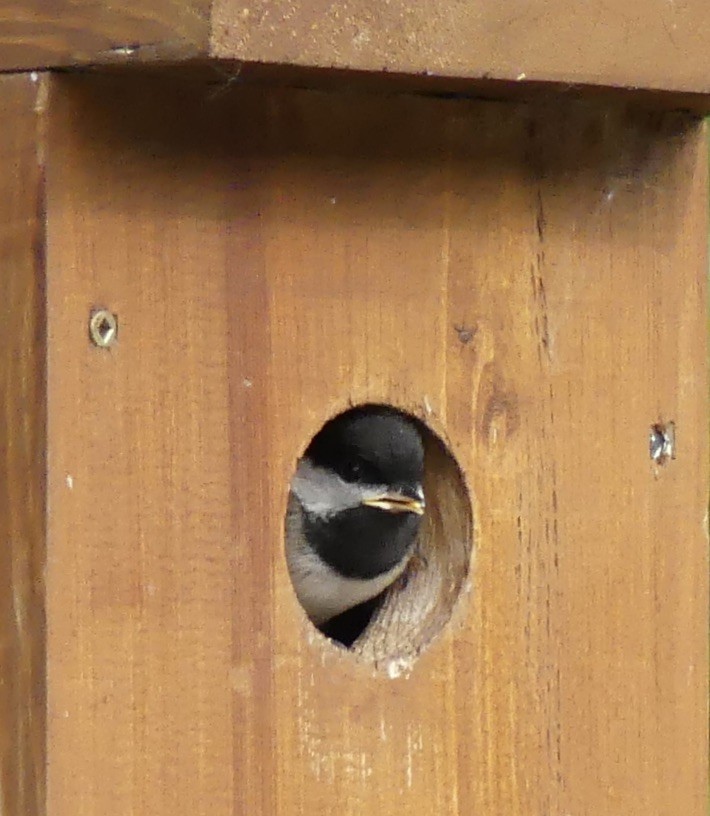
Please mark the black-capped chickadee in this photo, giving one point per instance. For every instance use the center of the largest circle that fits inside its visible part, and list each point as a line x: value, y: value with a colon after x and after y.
x: 355, y: 509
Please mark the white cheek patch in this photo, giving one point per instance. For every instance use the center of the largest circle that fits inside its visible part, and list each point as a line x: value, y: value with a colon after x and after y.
x: 322, y: 492
x: 324, y: 593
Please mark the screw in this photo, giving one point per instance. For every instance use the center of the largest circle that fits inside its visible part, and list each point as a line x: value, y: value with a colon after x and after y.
x: 103, y: 328
x: 661, y: 442
x: 465, y: 334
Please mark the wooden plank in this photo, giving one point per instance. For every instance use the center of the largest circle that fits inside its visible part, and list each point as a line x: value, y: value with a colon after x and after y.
x: 620, y: 43
x: 22, y: 448
x: 617, y: 44
x: 139, y: 593
x: 531, y: 281
x: 45, y: 33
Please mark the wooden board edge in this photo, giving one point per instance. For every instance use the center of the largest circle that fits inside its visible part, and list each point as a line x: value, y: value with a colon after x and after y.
x: 22, y: 448
x: 52, y: 35
x: 527, y: 40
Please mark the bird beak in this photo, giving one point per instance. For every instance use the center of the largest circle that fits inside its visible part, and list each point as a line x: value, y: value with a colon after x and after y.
x: 398, y: 503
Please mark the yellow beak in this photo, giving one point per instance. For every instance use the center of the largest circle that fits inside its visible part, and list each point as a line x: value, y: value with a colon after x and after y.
x: 396, y: 503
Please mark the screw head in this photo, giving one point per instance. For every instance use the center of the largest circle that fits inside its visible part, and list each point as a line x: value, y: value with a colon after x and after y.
x: 103, y: 328
x: 661, y: 442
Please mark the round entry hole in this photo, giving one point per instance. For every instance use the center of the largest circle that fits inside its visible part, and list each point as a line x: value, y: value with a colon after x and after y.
x: 379, y: 534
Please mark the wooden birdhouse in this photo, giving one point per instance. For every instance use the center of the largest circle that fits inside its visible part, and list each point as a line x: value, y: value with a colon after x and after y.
x: 222, y: 225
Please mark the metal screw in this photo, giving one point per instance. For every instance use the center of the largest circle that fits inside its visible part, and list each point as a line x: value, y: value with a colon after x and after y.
x: 103, y: 328
x: 465, y: 334
x: 661, y: 442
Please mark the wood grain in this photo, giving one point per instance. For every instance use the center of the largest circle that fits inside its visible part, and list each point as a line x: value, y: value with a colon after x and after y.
x: 22, y: 449
x: 528, y: 280
x: 47, y: 33
x: 616, y: 44
x: 621, y: 43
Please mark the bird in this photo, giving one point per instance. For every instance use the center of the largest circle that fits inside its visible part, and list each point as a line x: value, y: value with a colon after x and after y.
x: 355, y: 509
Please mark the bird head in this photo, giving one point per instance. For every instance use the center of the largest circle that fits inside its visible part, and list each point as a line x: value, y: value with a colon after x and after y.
x: 360, y: 487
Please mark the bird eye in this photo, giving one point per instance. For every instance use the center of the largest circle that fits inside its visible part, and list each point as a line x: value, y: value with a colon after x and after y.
x: 352, y: 469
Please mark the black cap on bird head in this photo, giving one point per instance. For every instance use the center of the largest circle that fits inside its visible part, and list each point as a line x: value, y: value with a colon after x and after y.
x: 371, y: 445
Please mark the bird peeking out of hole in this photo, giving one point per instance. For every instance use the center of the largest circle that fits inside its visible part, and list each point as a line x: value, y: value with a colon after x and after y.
x: 356, y: 505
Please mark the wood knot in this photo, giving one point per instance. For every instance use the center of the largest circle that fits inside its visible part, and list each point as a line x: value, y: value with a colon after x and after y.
x: 500, y: 417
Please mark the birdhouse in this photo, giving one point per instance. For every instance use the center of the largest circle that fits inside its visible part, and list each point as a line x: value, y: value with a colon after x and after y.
x: 224, y: 226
